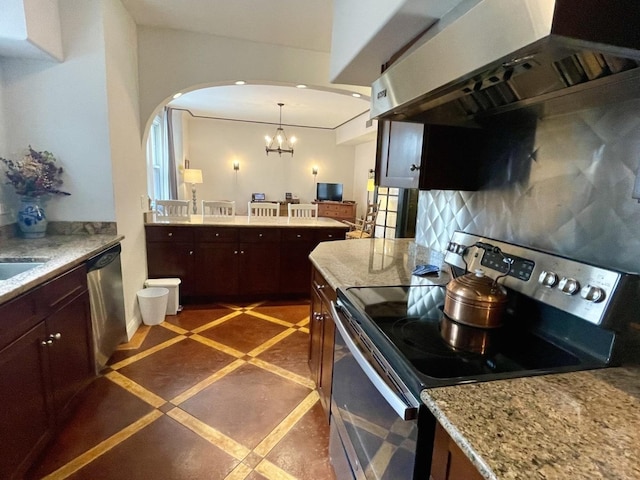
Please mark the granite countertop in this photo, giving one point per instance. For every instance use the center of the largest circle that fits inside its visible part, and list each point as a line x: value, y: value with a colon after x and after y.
x: 245, y: 221
x: 378, y: 261
x: 59, y: 252
x: 579, y: 426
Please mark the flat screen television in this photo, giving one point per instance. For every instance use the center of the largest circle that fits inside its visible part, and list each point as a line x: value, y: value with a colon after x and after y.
x: 329, y: 191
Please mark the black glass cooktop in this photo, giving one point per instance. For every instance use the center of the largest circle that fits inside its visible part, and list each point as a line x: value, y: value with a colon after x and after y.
x: 408, y: 326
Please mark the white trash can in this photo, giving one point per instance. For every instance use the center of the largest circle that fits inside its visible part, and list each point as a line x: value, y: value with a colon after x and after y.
x: 173, y: 285
x: 153, y: 304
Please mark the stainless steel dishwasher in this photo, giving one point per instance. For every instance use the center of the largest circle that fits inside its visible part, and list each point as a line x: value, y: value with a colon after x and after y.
x: 104, y: 277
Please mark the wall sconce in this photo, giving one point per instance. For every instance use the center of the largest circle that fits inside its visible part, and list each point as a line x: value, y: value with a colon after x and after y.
x: 314, y: 171
x: 236, y: 165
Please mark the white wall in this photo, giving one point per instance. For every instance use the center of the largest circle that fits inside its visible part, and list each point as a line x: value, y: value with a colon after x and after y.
x: 213, y: 145
x: 127, y: 154
x: 62, y: 108
x: 365, y: 160
x: 175, y: 60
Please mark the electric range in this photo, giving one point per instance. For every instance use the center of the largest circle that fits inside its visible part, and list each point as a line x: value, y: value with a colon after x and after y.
x: 562, y: 315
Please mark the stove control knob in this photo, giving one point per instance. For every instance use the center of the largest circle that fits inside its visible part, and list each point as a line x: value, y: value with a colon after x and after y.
x: 548, y: 279
x: 569, y: 286
x: 592, y: 293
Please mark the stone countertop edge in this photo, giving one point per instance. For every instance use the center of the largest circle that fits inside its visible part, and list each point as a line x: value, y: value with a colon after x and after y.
x: 373, y: 262
x: 62, y: 253
x: 580, y: 425
x: 244, y: 221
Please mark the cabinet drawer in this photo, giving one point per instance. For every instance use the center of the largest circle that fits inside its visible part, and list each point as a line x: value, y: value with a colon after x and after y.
x: 169, y: 234
x: 253, y: 235
x: 326, y: 235
x: 63, y: 288
x: 320, y: 285
x: 297, y: 235
x: 216, y: 234
x: 18, y: 316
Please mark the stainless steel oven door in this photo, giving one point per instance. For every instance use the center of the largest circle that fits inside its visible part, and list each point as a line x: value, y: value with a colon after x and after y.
x: 374, y: 424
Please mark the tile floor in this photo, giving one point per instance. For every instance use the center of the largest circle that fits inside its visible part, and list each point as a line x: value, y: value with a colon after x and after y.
x: 215, y: 392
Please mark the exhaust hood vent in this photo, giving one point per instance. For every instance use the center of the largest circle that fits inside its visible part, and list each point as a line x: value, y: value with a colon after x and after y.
x: 551, y: 74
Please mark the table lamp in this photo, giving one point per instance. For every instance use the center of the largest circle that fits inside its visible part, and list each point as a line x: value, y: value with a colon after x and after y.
x: 193, y: 176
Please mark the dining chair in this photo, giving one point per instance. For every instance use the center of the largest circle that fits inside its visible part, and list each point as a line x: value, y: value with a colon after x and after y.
x: 263, y: 209
x: 303, y: 210
x: 364, y: 227
x: 172, y: 208
x: 218, y: 208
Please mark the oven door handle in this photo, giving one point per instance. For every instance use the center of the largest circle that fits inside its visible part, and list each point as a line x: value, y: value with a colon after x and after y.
x: 400, y: 405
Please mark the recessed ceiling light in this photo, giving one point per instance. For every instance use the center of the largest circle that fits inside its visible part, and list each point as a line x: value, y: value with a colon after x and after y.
x: 357, y: 95
x: 241, y: 82
x: 302, y: 85
x: 179, y: 94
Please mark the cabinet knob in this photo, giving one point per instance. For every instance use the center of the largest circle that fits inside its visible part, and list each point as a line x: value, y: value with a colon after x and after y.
x: 241, y: 252
x: 190, y: 252
x: 217, y: 234
x: 235, y: 252
x: 55, y: 336
x: 414, y: 167
x: 318, y: 316
x: 260, y: 235
x: 170, y: 234
x: 298, y: 235
x: 46, y: 343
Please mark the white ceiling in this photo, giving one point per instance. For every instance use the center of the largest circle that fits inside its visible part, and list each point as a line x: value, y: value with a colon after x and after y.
x: 304, y: 24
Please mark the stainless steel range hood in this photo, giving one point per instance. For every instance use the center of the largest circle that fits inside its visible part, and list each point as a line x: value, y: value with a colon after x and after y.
x: 530, y: 57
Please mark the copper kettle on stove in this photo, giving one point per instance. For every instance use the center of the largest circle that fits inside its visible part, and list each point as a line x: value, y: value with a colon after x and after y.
x: 475, y: 300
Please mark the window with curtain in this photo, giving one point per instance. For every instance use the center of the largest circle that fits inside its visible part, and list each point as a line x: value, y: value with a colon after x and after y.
x: 157, y: 162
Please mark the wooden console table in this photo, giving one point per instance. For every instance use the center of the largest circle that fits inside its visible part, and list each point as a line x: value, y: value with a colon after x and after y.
x: 338, y: 210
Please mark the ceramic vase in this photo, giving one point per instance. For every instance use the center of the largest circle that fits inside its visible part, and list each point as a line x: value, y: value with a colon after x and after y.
x: 32, y: 220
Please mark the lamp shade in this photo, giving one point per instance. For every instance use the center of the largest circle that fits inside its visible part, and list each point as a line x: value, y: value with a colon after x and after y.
x: 371, y: 186
x: 192, y: 175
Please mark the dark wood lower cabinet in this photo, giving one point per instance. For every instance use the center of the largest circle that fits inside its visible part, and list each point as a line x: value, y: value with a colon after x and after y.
x: 220, y: 262
x: 449, y: 462
x: 45, y: 361
x: 321, y: 337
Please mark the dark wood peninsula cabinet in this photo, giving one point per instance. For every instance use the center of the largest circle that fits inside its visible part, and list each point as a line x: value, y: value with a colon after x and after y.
x: 321, y: 337
x: 430, y: 157
x: 45, y: 361
x: 223, y: 262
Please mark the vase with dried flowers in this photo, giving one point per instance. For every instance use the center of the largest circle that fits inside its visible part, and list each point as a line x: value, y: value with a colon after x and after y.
x: 34, y: 177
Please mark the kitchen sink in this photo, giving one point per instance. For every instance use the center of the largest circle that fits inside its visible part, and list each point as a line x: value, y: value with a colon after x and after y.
x: 10, y: 267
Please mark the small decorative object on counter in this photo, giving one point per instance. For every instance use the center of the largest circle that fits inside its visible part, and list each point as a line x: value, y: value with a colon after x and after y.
x: 34, y: 177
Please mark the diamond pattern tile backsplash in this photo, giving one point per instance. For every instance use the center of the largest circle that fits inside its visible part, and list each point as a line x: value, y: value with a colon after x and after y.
x: 564, y: 186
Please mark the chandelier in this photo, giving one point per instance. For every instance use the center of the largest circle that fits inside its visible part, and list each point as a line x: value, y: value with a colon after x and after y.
x: 279, y: 142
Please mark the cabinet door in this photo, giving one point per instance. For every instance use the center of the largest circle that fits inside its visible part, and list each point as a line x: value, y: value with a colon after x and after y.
x: 70, y: 350
x: 315, y: 336
x: 259, y: 267
x: 399, y: 154
x: 295, y: 266
x: 168, y: 259
x: 453, y: 158
x: 326, y: 368
x: 25, y: 412
x: 448, y: 461
x: 215, y: 271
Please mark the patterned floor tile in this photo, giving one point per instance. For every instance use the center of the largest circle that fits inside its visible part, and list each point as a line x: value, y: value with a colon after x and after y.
x: 216, y: 392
